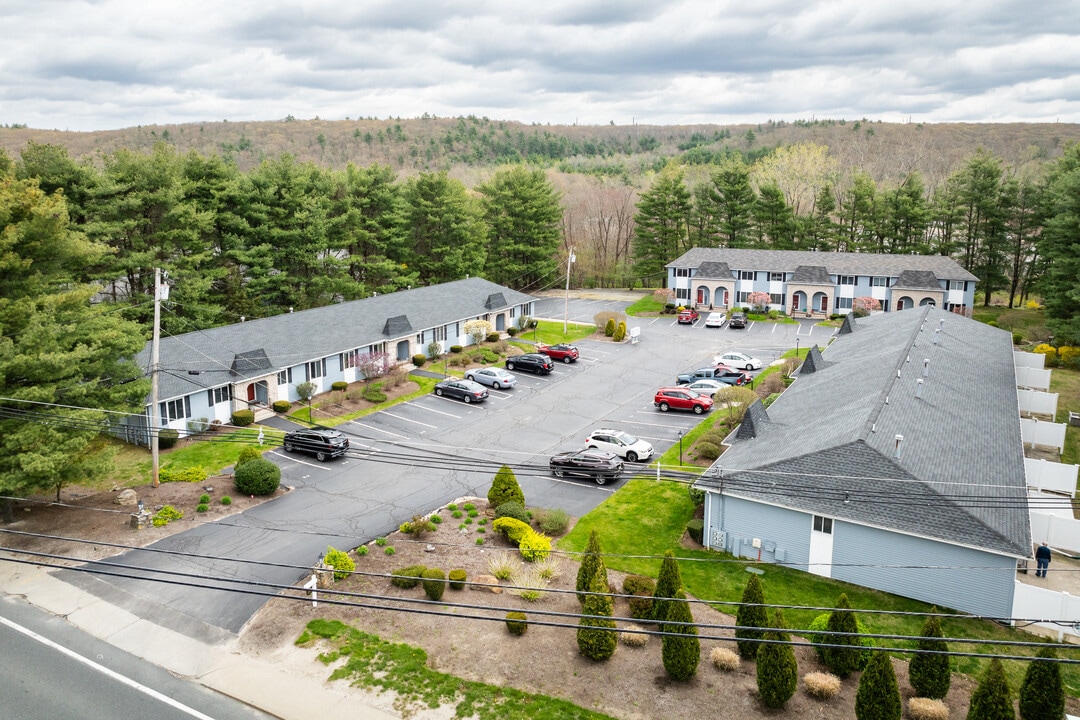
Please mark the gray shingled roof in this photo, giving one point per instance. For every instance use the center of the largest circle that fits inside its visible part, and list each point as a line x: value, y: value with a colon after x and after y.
x: 917, y: 280
x: 719, y: 270
x: 811, y: 275
x: 836, y: 263
x: 827, y: 445
x: 233, y: 352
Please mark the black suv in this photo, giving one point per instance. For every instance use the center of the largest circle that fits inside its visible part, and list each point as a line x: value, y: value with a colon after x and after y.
x: 531, y: 362
x: 323, y: 443
x: 737, y: 321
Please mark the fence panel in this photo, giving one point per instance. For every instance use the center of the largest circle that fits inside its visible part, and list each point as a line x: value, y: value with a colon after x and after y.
x: 1050, y: 476
x: 1033, y: 378
x: 1037, y: 402
x: 1029, y: 360
x: 1047, y: 434
x: 1036, y: 603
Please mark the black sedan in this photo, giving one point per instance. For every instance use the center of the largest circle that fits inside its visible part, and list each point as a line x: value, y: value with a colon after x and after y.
x: 599, y: 465
x: 466, y: 390
x: 323, y: 443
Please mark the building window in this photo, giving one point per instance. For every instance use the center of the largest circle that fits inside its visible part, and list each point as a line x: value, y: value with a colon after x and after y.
x: 682, y: 272
x: 746, y: 274
x: 682, y: 293
x: 175, y: 410
x: 843, y: 303
x: 743, y: 297
x: 879, y: 281
x: 847, y: 280
x: 440, y: 333
x: 219, y: 395
x: 284, y: 376
x: 316, y: 369
x: 776, y: 298
x: 957, y: 285
x: 823, y: 524
x: 776, y: 277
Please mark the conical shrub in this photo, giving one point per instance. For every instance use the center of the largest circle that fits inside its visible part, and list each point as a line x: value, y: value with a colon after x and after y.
x: 1042, y: 694
x: 596, y: 636
x: 777, y: 669
x: 681, y: 647
x: 846, y: 657
x: 878, y: 697
x: 751, y: 619
x: 992, y: 700
x: 505, y: 488
x: 929, y: 673
x: 592, y: 567
x: 668, y: 584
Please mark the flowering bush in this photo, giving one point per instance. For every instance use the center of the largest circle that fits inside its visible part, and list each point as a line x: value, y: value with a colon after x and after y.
x: 760, y: 300
x: 863, y: 306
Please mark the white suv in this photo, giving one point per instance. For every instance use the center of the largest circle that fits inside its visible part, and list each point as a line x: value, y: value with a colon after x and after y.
x: 622, y: 444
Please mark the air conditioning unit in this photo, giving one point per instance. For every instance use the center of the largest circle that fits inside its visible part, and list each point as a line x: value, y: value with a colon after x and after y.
x: 719, y: 539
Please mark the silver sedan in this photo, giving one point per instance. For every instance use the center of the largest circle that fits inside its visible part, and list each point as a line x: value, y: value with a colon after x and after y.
x: 492, y: 377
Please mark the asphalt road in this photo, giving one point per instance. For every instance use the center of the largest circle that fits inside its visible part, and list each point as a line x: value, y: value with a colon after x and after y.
x: 53, y: 671
x: 420, y: 455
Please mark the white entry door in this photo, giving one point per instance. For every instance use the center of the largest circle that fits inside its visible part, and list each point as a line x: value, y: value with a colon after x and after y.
x: 821, y: 546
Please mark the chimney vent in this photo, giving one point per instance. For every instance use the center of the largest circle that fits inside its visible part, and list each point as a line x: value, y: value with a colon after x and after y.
x: 918, y: 388
x: 936, y: 333
x: 899, y: 446
x: 926, y: 367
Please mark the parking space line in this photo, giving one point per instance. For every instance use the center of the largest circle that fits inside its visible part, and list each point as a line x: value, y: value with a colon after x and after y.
x: 377, y: 429
x: 299, y: 462
x: 428, y: 409
x: 584, y: 484
x: 399, y: 417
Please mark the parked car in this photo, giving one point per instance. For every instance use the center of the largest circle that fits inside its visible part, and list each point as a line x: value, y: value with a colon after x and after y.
x: 737, y: 321
x: 323, y: 443
x: 738, y: 359
x: 621, y: 443
x: 689, y: 316
x: 706, y: 373
x: 531, y: 362
x: 715, y: 319
x: 599, y: 465
x: 465, y: 390
x: 492, y: 377
x: 679, y: 398
x: 563, y: 351
x: 705, y: 386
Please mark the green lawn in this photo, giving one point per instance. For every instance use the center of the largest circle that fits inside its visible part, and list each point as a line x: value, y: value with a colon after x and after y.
x: 647, y: 304
x: 1031, y: 324
x: 646, y: 517
x: 550, y: 332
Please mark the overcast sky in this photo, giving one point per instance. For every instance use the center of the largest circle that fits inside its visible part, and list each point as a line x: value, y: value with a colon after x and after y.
x: 104, y: 64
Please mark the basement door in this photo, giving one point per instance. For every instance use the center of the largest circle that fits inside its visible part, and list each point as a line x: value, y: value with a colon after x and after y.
x: 821, y: 546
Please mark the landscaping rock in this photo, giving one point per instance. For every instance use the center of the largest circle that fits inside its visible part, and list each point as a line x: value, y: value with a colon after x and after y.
x: 490, y: 583
x: 127, y: 497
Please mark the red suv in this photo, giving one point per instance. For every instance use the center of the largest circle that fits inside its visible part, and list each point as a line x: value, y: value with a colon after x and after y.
x: 563, y: 351
x: 689, y: 316
x: 680, y: 398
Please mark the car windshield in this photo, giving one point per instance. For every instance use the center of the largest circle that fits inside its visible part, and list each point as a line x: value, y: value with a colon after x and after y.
x: 626, y: 438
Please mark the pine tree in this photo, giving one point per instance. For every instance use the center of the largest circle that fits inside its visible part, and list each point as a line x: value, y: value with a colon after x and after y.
x: 777, y: 669
x: 750, y: 617
x: 681, y: 647
x: 878, y: 697
x: 929, y: 674
x: 992, y: 700
x: 844, y: 660
x: 1042, y: 695
x: 668, y: 583
x: 596, y: 636
x: 505, y: 488
x: 592, y: 567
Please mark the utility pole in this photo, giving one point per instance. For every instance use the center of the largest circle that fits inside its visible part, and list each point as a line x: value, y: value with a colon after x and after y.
x: 566, y: 304
x: 155, y: 346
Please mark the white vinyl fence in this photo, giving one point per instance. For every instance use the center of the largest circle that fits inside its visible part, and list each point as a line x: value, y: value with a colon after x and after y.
x: 1033, y: 378
x: 1028, y: 360
x: 1037, y: 402
x: 1035, y: 432
x: 1035, y: 603
x: 1060, y: 533
x: 1050, y: 476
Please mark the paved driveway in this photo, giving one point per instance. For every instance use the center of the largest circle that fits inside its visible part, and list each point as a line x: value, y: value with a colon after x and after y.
x: 422, y: 454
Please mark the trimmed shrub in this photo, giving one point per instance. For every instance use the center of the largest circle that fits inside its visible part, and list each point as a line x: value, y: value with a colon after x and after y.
x: 418, y: 526
x: 846, y: 658
x: 280, y: 406
x: 697, y: 495
x: 434, y: 583
x: 242, y: 418
x: 226, y: 500
x: 505, y: 488
x: 777, y: 670
x: 821, y: 685
x: 596, y: 636
x: 668, y: 584
x: 706, y: 450
x: 681, y: 647
x: 168, y: 437
x: 493, y: 337
x: 878, y: 697
x: 620, y: 332
x: 339, y: 386
x: 340, y: 561
x: 929, y: 673
x: 374, y: 394
x: 202, y: 507
x: 512, y: 509
x: 534, y: 547
x: 641, y: 588
x: 609, y: 327
x: 724, y: 659
x: 821, y: 622
x: 419, y: 359
x: 511, y: 331
x: 362, y: 550
x: 456, y: 349
x: 247, y: 454
x: 165, y: 515
x: 696, y: 530
x: 1042, y: 694
x: 552, y: 522
x: 457, y: 579
x: 257, y: 477
x: 407, y: 577
x: 633, y: 639
x: 927, y: 709
x: 750, y: 619
x: 1018, y: 338
x: 516, y: 623
x: 204, y: 499
x: 592, y: 569
x: 192, y: 474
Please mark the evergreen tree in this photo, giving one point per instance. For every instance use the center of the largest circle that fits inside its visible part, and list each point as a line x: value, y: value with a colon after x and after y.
x: 1059, y: 246
x: 447, y: 234
x: 504, y: 488
x: 596, y: 636
x: 681, y: 647
x: 846, y: 659
x: 523, y: 215
x: 751, y: 619
x: 777, y: 669
x: 668, y: 584
x: 592, y: 567
x: 662, y: 224
x: 878, y: 697
x: 929, y: 674
x: 1042, y: 694
x: 992, y: 700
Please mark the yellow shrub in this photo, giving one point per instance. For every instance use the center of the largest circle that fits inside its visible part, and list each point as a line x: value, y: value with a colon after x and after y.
x: 1068, y: 352
x: 1032, y: 305
x: 1044, y: 349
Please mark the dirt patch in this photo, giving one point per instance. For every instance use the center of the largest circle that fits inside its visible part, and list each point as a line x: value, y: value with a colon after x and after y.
x: 632, y: 684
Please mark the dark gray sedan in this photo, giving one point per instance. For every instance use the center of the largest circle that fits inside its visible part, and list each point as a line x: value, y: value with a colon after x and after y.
x: 465, y: 390
x: 599, y: 465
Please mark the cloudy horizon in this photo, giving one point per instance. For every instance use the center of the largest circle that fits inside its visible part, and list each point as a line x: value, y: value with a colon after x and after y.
x: 110, y: 64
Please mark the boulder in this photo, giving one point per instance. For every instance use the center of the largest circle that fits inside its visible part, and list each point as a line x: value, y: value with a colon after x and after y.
x: 127, y: 497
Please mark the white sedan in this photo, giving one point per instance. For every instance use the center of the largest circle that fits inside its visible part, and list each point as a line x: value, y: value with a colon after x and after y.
x: 738, y: 360
x: 492, y: 377
x: 716, y: 319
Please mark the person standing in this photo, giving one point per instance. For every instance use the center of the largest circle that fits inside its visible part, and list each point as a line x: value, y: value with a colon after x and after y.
x: 1042, y: 560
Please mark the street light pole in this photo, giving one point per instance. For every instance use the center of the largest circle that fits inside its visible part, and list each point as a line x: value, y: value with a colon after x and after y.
x: 566, y: 304
x: 680, y: 448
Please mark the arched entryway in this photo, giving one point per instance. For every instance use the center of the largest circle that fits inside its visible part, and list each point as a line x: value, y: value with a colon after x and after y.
x: 258, y: 393
x: 927, y: 301
x: 821, y: 302
x: 702, y: 296
x: 500, y: 322
x: 798, y: 301
x: 403, y: 350
x: 905, y: 303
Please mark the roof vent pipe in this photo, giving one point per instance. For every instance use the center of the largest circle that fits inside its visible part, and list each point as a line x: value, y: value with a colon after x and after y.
x: 941, y: 323
x: 290, y: 309
x: 918, y: 388
x: 926, y: 367
x: 897, y: 373
x: 936, y: 333
x: 242, y: 318
x: 899, y: 445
